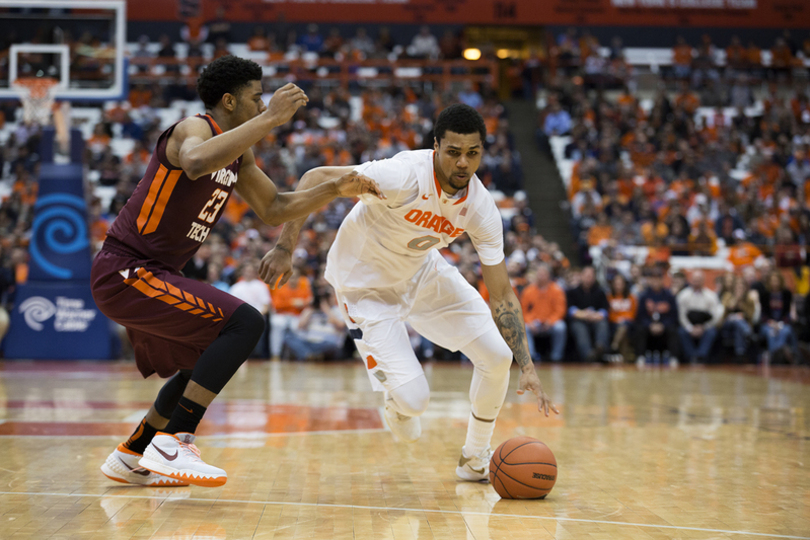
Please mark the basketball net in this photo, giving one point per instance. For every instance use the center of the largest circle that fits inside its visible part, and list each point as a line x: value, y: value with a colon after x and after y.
x: 38, y: 95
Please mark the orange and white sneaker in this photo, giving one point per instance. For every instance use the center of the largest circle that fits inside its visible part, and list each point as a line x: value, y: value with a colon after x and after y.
x: 176, y: 456
x: 122, y: 466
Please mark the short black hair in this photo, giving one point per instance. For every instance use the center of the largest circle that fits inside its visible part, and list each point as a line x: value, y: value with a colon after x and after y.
x: 460, y: 118
x: 226, y: 75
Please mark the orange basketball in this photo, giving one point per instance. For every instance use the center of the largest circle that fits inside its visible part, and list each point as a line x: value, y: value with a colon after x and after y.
x: 523, y: 468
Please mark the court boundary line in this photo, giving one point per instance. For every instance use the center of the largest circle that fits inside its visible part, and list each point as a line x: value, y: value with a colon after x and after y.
x: 396, y: 509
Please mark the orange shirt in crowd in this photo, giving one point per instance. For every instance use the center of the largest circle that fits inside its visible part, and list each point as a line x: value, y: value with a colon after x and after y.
x: 235, y: 209
x: 657, y: 255
x: 754, y: 56
x: 651, y: 231
x: 766, y: 225
x: 292, y: 300
x: 138, y: 97
x: 28, y: 191
x: 735, y: 55
x: 781, y: 56
x: 621, y: 309
x: 682, y: 55
x: 98, y: 230
x: 21, y: 273
x: 689, y: 101
x: 599, y: 233
x: 258, y: 43
x: 546, y: 305
x: 743, y: 254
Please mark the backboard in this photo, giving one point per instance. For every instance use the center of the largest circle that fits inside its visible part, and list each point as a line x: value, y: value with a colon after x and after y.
x: 80, y: 43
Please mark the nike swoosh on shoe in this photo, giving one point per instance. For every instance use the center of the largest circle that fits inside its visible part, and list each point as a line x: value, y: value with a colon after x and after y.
x: 164, y: 454
x: 464, y: 460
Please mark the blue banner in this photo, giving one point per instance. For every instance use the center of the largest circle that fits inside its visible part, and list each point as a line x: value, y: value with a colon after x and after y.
x: 57, y: 321
x: 54, y: 316
x: 60, y: 247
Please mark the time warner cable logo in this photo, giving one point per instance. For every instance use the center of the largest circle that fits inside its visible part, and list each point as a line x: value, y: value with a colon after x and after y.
x: 70, y: 313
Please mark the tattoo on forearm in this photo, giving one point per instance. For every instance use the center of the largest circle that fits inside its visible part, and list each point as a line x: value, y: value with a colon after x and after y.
x: 509, y: 322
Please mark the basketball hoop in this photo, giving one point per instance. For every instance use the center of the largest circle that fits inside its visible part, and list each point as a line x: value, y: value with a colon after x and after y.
x: 37, y: 95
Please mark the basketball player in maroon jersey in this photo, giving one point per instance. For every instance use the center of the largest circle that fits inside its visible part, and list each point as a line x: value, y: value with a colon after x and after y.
x: 182, y: 328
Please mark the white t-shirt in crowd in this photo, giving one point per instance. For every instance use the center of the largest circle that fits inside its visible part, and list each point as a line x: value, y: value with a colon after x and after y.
x: 254, y: 292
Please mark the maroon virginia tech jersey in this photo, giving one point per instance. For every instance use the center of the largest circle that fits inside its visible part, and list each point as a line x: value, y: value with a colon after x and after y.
x: 169, y: 215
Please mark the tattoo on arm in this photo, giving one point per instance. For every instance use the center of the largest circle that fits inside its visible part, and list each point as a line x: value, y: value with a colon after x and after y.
x: 509, y: 320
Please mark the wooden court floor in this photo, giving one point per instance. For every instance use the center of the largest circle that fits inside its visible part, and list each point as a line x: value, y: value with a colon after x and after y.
x: 656, y: 453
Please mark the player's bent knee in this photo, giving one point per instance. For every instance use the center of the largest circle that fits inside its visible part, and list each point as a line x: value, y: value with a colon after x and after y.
x: 413, y: 397
x: 412, y: 405
x: 247, y: 321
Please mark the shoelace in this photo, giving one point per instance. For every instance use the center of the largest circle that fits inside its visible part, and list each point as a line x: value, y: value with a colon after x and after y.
x: 191, y: 451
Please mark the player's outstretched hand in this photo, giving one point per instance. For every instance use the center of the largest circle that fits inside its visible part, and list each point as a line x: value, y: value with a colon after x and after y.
x: 276, y: 267
x: 285, y: 101
x: 353, y: 185
x: 529, y: 381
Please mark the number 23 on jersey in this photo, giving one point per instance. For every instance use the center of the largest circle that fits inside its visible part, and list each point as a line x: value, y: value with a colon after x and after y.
x: 211, y: 209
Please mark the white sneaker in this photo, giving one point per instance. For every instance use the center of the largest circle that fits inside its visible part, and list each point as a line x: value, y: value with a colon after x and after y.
x: 405, y: 428
x: 474, y: 468
x: 122, y: 466
x: 177, y: 457
x: 673, y: 362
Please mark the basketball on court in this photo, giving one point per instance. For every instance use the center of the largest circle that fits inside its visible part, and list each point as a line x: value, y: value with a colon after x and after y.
x: 523, y: 468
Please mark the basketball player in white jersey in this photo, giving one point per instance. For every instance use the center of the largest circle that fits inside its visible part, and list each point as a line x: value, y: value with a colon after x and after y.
x: 386, y: 270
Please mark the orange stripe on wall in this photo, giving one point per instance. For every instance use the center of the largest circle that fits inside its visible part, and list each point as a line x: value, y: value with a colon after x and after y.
x: 149, y: 202
x: 160, y: 207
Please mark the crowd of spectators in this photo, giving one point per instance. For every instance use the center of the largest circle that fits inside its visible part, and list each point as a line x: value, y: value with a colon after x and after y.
x: 651, y: 180
x: 711, y: 171
x: 278, y: 41
x: 331, y: 130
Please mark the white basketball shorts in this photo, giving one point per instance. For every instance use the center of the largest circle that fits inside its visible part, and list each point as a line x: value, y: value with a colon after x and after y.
x: 437, y: 302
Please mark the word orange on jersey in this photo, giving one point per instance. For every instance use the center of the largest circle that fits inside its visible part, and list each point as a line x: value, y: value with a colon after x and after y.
x: 438, y: 223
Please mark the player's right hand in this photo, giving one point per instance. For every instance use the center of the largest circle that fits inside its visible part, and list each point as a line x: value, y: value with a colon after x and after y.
x: 529, y: 381
x: 354, y: 185
x: 285, y: 102
x: 276, y: 267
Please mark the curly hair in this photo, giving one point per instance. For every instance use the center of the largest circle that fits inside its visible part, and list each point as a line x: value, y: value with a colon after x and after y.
x: 460, y: 118
x: 226, y: 75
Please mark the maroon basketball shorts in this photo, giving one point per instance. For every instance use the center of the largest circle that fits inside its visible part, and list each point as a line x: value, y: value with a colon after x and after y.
x: 170, y: 319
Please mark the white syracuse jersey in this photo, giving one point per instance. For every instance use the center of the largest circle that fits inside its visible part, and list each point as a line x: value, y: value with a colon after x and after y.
x: 384, y: 242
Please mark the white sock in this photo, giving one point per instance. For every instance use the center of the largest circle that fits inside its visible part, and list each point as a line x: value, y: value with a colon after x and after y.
x: 479, y: 436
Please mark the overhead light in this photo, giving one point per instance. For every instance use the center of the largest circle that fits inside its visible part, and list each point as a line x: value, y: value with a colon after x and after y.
x: 472, y: 54
x: 503, y: 53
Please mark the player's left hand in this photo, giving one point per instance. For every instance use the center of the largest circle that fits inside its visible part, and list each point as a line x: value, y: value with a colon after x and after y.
x: 353, y: 185
x: 529, y: 381
x: 276, y: 267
